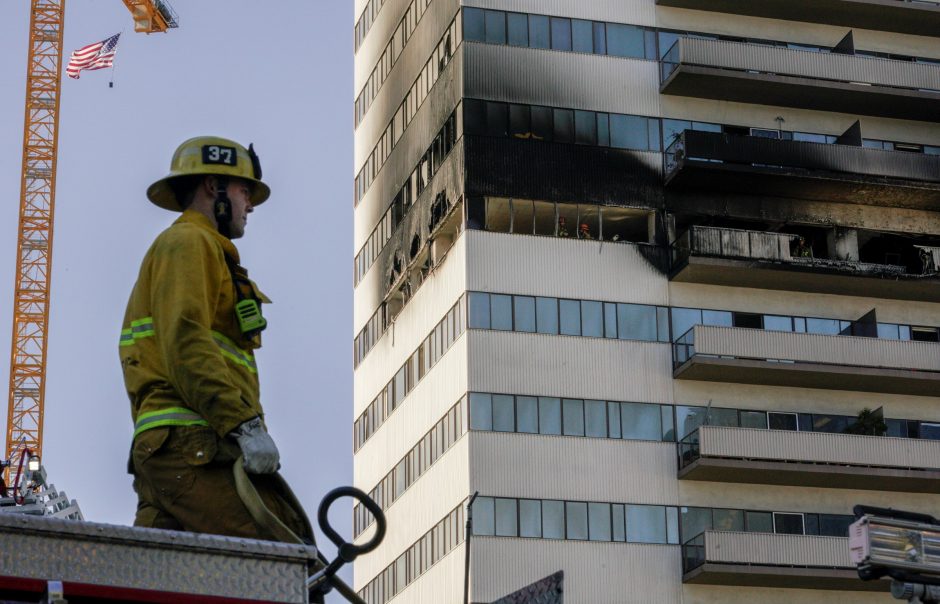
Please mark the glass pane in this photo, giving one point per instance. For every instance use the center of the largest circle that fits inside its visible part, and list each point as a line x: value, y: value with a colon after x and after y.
x: 481, y: 411
x: 595, y: 419
x: 833, y: 424
x: 484, y: 522
x: 759, y: 522
x: 672, y: 129
x: 628, y: 132
x: 719, y: 318
x: 600, y: 38
x: 527, y: 414
x: 524, y: 307
x: 834, y: 525
x: 636, y: 322
x: 503, y: 415
x: 625, y: 41
x: 473, y: 25
x: 506, y: 518
x: 570, y: 311
x: 582, y: 36
x: 662, y: 324
x: 573, y: 411
x: 495, y: 27
x: 640, y: 421
x: 723, y: 417
x: 688, y: 419
x: 538, y: 31
x: 694, y: 521
x: 753, y: 419
x: 585, y: 128
x: 543, y: 123
x: 619, y: 528
x: 592, y: 319
x: 519, y: 124
x: 522, y: 216
x: 497, y: 214
x: 666, y: 40
x: 669, y: 429
x: 782, y: 421
x: 546, y: 314
x: 497, y: 119
x: 501, y: 311
x: 652, y: 126
x: 553, y: 519
x: 728, y: 520
x: 603, y: 129
x: 613, y: 419
x: 549, y: 415
x: 479, y: 310
x: 599, y: 521
x: 530, y: 518
x: 518, y: 29
x: 777, y: 323
x: 561, y: 33
x: 576, y: 520
x: 610, y: 320
x: 683, y: 319
x: 788, y: 524
x: 544, y: 218
x: 646, y: 524
x: 823, y: 326
x: 930, y: 431
x: 564, y: 126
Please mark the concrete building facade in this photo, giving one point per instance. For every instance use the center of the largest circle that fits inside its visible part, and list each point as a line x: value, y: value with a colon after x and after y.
x: 633, y: 271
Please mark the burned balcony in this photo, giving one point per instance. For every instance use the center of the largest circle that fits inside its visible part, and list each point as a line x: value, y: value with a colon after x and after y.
x: 899, y: 16
x: 807, y: 360
x: 810, y: 459
x: 754, y: 165
x: 772, y: 560
x: 771, y: 75
x: 746, y: 258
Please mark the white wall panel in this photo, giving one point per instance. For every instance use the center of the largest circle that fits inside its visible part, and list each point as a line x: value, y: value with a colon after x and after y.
x: 421, y: 409
x: 593, y: 368
x: 573, y: 468
x: 423, y: 505
x: 375, y: 41
x: 563, y: 268
x: 595, y: 573
x: 561, y: 79
x: 636, y: 12
x: 430, y: 304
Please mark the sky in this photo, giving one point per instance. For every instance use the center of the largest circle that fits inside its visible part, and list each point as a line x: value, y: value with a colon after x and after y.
x: 275, y: 73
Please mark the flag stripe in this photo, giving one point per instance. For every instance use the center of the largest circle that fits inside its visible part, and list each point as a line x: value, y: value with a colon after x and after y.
x: 94, y: 56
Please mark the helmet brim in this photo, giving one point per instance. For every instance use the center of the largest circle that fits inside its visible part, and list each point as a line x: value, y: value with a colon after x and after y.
x: 161, y: 192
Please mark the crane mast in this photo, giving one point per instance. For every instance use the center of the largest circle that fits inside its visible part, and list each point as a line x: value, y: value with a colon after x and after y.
x: 34, y: 243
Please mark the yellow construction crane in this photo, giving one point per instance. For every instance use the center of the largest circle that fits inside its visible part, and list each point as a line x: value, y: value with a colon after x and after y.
x: 37, y: 206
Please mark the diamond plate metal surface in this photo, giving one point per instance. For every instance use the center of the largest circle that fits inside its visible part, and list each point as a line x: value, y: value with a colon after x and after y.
x: 549, y: 590
x: 150, y: 559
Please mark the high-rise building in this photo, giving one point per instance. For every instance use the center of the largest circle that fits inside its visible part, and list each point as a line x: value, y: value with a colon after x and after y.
x: 658, y: 279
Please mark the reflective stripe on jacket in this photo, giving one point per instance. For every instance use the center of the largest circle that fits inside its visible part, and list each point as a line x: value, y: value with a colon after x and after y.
x: 183, y: 355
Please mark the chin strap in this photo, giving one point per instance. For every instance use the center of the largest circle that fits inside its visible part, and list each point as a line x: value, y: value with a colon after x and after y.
x: 222, y: 207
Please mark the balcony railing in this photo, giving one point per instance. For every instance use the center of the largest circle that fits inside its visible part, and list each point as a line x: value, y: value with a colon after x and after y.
x: 757, y: 356
x: 915, y: 17
x: 772, y: 560
x: 817, y: 459
x: 771, y: 75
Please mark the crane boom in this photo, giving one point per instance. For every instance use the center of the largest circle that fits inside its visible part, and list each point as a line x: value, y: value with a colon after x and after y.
x: 34, y: 243
x: 151, y: 15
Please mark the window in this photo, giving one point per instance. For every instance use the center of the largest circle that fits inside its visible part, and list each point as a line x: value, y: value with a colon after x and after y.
x: 546, y: 314
x: 640, y: 421
x: 539, y: 32
x: 495, y: 27
x: 625, y: 41
x: 518, y: 29
x: 603, y: 129
x: 646, y: 524
x: 576, y: 520
x: 600, y: 38
x: 599, y: 521
x: 479, y: 306
x: 782, y: 421
x: 553, y: 519
x: 728, y: 520
x: 497, y: 119
x: 473, y: 25
x: 481, y: 411
x: 636, y: 322
x: 484, y: 521
x: 592, y: 319
x: 759, y: 522
x: 563, y: 126
x: 788, y: 524
x: 570, y: 312
x: 522, y: 216
x: 585, y: 128
x: 503, y: 413
x: 694, y: 521
x: 543, y: 123
x: 530, y: 518
x: 561, y: 33
x: 524, y: 309
x: 628, y: 132
x: 549, y: 415
x: 527, y: 414
x: 595, y: 419
x: 753, y: 419
x: 474, y: 116
x: 573, y: 416
x: 688, y: 419
x: 519, y: 124
x: 506, y: 521
x: 619, y: 531
x: 501, y: 312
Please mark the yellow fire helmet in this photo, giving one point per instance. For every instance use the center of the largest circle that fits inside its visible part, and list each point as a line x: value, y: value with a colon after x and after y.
x: 210, y: 155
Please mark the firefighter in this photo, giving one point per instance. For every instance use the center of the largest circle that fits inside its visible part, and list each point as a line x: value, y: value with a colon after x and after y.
x: 187, y: 346
x: 562, y: 227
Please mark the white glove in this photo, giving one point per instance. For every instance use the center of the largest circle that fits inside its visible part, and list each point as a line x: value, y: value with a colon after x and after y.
x: 258, y: 448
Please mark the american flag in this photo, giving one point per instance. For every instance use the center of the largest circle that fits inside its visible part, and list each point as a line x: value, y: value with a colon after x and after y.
x: 99, y: 55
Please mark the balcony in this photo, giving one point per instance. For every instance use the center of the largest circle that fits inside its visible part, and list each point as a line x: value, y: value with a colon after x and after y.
x: 810, y: 459
x: 742, y: 258
x: 899, y: 16
x: 772, y: 560
x: 770, y: 75
x: 805, y: 360
x: 752, y: 165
